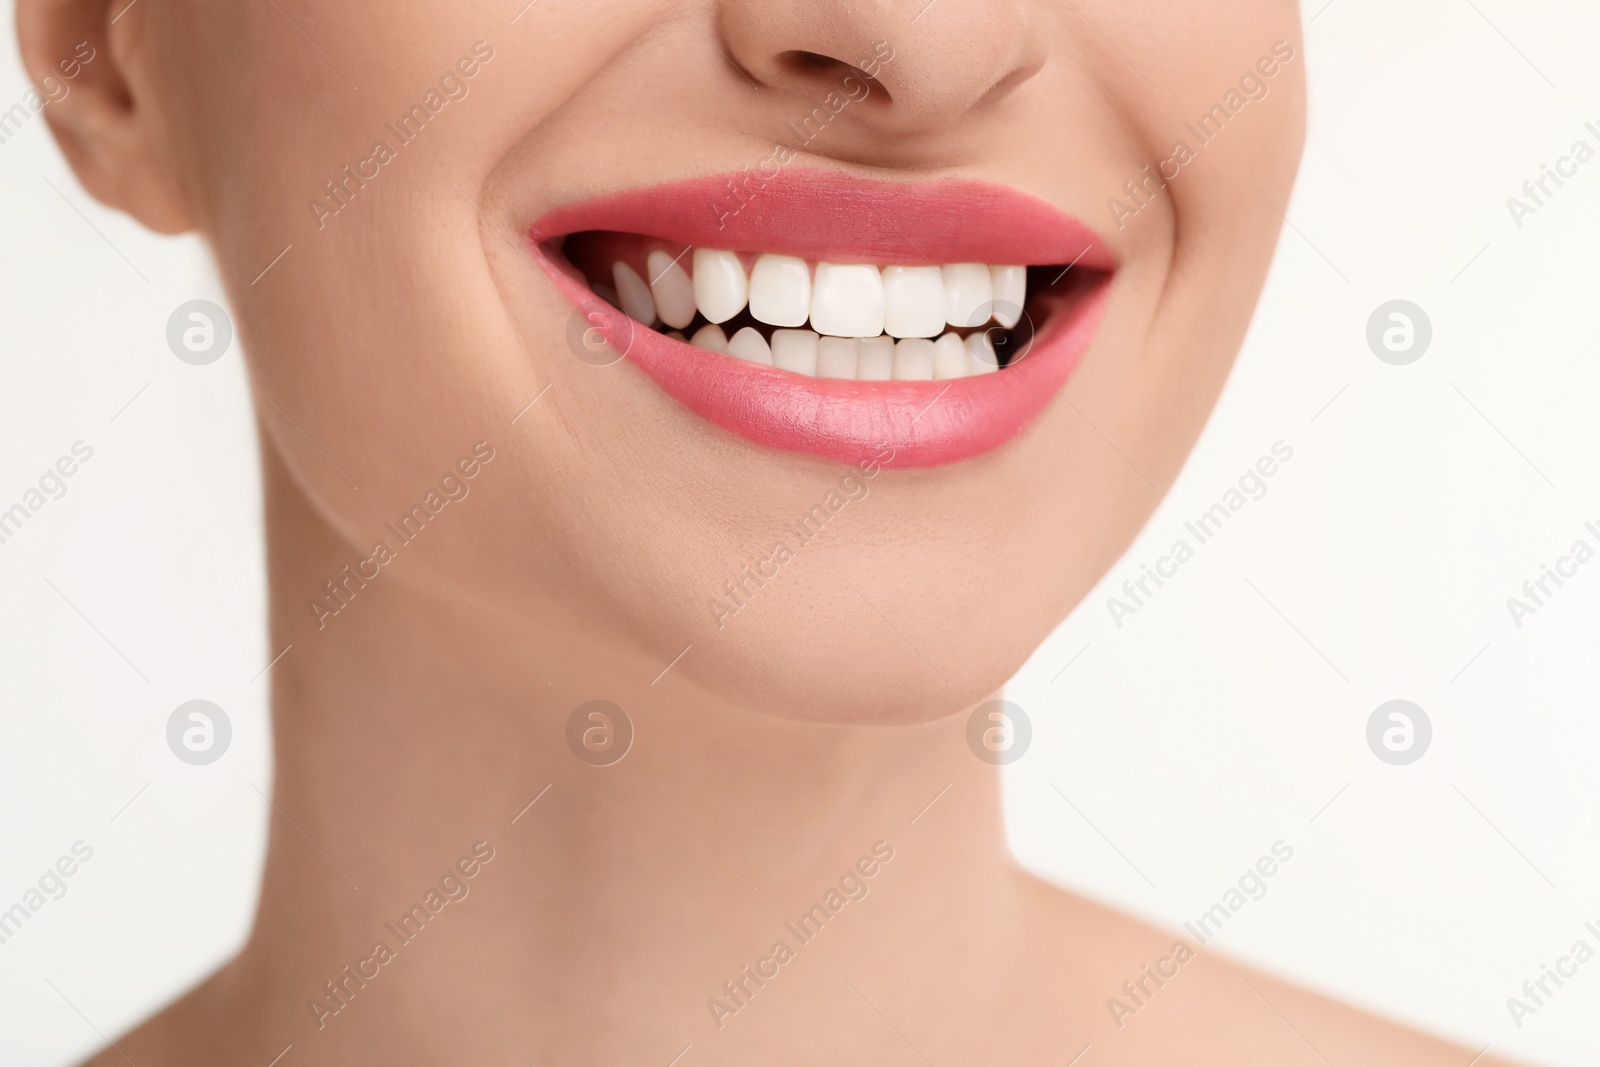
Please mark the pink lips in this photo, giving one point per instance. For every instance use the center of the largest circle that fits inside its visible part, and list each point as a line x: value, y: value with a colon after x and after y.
x: 825, y: 215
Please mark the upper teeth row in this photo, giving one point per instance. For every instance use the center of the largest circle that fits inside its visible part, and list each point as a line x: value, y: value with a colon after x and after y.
x: 837, y: 299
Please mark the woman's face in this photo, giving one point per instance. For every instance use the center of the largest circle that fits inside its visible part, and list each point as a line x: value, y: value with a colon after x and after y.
x: 420, y: 169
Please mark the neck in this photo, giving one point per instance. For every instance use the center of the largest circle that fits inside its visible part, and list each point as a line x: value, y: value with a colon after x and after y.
x: 412, y: 732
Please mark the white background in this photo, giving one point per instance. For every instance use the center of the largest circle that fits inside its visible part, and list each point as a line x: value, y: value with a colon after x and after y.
x: 1223, y: 716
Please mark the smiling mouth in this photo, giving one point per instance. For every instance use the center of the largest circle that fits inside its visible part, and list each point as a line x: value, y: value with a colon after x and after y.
x: 810, y: 318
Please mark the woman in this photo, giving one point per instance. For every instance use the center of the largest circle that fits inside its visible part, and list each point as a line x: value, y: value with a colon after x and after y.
x: 634, y: 669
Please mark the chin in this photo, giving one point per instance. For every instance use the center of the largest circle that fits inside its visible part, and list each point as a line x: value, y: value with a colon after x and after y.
x: 847, y: 673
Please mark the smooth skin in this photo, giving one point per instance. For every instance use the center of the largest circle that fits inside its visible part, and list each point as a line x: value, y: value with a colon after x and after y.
x: 770, y: 753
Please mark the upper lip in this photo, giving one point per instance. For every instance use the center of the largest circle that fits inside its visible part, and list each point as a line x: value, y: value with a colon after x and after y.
x: 826, y: 215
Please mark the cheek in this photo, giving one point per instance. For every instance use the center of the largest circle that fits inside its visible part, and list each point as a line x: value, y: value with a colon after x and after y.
x: 378, y: 342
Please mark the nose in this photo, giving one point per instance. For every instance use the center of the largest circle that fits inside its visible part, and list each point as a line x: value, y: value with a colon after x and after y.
x: 932, y: 62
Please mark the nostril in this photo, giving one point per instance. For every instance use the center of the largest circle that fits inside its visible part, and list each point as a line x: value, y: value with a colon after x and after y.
x: 803, y: 62
x: 820, y: 69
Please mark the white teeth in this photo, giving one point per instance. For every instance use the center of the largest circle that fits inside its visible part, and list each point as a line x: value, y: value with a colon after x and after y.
x: 711, y: 336
x: 847, y: 300
x: 795, y: 350
x: 836, y: 357
x: 748, y: 344
x: 875, y: 359
x: 981, y: 358
x: 720, y: 285
x: 968, y: 294
x: 671, y: 288
x: 866, y: 323
x: 780, y: 290
x: 913, y: 360
x: 637, y: 303
x: 1010, y: 286
x: 949, y: 357
x: 913, y: 301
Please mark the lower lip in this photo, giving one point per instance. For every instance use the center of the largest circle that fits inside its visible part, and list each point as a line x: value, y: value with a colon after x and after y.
x: 922, y: 424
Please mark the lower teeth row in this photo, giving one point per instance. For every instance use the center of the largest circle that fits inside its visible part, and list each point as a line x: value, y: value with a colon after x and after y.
x: 867, y: 359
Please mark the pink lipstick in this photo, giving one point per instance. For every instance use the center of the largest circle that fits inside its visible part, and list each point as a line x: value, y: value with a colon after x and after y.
x: 821, y: 313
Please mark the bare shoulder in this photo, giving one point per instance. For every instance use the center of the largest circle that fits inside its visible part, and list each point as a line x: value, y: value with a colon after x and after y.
x: 1150, y: 996
x: 179, y: 1034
